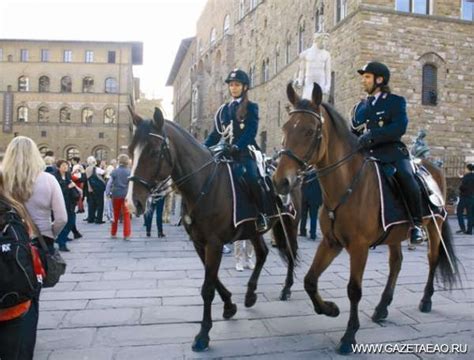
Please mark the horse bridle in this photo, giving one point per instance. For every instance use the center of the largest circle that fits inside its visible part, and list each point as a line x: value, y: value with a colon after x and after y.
x: 164, y: 153
x: 303, y: 163
x: 304, y: 166
x: 159, y: 186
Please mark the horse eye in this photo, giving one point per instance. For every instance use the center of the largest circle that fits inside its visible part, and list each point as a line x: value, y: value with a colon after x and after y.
x: 309, y: 132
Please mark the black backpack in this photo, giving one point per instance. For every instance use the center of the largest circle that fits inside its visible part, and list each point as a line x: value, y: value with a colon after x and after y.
x: 96, y: 183
x: 18, y: 281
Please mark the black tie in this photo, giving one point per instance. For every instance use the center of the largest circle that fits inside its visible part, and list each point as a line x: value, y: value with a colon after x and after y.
x: 232, y: 107
x: 370, y: 100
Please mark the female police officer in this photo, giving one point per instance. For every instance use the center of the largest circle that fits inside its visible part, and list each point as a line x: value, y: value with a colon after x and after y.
x: 239, y: 118
x: 380, y: 121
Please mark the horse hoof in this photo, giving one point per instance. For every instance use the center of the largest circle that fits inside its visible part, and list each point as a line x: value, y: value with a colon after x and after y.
x: 344, y: 348
x: 425, y: 306
x: 379, y: 315
x: 285, y: 295
x: 229, y: 311
x: 200, y: 343
x: 332, y: 309
x: 250, y: 299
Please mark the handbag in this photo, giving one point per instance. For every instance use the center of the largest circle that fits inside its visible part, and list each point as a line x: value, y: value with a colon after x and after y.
x: 53, y: 263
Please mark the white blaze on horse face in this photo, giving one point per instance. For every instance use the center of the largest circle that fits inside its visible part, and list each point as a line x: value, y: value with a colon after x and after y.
x: 137, y: 152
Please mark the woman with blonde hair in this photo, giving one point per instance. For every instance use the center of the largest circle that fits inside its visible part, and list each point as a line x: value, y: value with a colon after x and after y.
x: 26, y: 181
x: 18, y: 323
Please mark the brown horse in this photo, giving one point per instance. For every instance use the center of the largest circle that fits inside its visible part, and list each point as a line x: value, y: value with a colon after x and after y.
x: 162, y: 149
x: 317, y: 135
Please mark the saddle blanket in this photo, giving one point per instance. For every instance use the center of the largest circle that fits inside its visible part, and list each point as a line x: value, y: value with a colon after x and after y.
x: 244, y: 208
x: 392, y: 209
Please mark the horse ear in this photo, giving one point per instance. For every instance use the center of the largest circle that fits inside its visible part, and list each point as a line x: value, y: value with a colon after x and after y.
x: 135, y: 117
x: 158, y: 118
x: 317, y: 94
x: 291, y: 93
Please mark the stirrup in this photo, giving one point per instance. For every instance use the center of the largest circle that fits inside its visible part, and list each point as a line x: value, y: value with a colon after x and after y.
x: 417, y: 235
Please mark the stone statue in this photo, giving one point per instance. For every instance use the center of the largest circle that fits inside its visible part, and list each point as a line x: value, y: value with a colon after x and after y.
x: 315, y: 66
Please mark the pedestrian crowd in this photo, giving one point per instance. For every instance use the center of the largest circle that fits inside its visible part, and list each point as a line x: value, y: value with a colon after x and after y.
x: 39, y: 200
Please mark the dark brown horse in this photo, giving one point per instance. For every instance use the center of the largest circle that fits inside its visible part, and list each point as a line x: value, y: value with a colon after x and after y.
x: 162, y: 149
x: 317, y: 135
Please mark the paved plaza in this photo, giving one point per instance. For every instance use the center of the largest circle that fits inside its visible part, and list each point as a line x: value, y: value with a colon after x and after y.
x: 141, y: 300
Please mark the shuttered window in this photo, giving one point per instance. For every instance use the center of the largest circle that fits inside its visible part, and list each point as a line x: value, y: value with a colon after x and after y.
x: 430, y: 85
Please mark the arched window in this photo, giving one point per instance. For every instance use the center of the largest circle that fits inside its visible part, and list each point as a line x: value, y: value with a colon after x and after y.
x: 66, y: 84
x: 277, y: 58
x: 87, y: 116
x: 43, y: 149
x: 265, y: 71
x: 319, y: 19
x: 87, y: 84
x: 101, y: 153
x: 300, y: 35
x: 212, y: 41
x: 23, y: 83
x: 430, y: 85
x: 72, y: 152
x: 252, y: 74
x: 109, y: 116
x: 241, y: 9
x: 288, y: 50
x: 22, y: 114
x: 64, y: 115
x: 43, y: 114
x: 111, y: 85
x: 43, y: 84
x: 227, y: 24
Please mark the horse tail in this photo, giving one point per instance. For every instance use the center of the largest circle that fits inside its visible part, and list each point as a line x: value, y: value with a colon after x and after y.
x: 287, y: 247
x: 445, y: 273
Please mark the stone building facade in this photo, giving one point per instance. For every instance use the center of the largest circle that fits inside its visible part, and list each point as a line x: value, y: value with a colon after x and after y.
x: 429, y: 46
x: 70, y: 97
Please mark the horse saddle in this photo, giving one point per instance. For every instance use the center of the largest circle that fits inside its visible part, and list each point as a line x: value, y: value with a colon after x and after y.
x: 393, y: 209
x: 429, y: 186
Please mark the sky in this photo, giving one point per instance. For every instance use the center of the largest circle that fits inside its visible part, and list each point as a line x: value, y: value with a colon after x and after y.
x: 159, y: 24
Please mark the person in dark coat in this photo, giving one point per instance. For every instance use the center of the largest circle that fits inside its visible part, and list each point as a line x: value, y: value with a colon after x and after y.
x: 466, y: 201
x: 236, y: 122
x: 380, y: 121
x: 311, y: 201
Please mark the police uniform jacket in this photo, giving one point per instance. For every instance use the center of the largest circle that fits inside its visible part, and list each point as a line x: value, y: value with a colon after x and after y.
x: 244, y: 131
x: 386, y: 122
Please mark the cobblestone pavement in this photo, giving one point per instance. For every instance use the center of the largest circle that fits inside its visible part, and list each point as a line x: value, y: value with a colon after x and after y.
x: 141, y: 300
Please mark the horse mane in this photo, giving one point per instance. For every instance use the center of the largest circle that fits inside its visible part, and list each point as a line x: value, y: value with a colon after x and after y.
x: 185, y: 133
x: 340, y: 125
x: 142, y: 131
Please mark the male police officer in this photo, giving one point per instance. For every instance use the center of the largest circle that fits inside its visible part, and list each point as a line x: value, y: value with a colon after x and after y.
x: 380, y: 121
x: 242, y: 116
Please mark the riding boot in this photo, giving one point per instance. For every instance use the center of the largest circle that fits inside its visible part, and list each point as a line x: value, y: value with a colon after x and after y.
x: 262, y: 220
x: 417, y: 234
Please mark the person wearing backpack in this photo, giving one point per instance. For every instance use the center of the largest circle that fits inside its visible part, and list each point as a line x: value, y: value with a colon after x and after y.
x: 96, y: 190
x: 19, y: 285
x: 25, y: 181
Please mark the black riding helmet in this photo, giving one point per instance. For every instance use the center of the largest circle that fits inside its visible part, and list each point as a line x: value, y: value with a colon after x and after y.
x: 377, y: 69
x: 238, y: 75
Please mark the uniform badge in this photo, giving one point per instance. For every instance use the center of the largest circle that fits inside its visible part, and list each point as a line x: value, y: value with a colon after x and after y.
x: 242, y: 125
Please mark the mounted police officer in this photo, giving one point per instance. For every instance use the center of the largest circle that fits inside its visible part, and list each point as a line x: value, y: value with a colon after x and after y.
x: 237, y: 123
x: 380, y: 121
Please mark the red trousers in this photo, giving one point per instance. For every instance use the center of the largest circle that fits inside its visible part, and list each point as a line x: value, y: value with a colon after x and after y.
x: 119, y: 205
